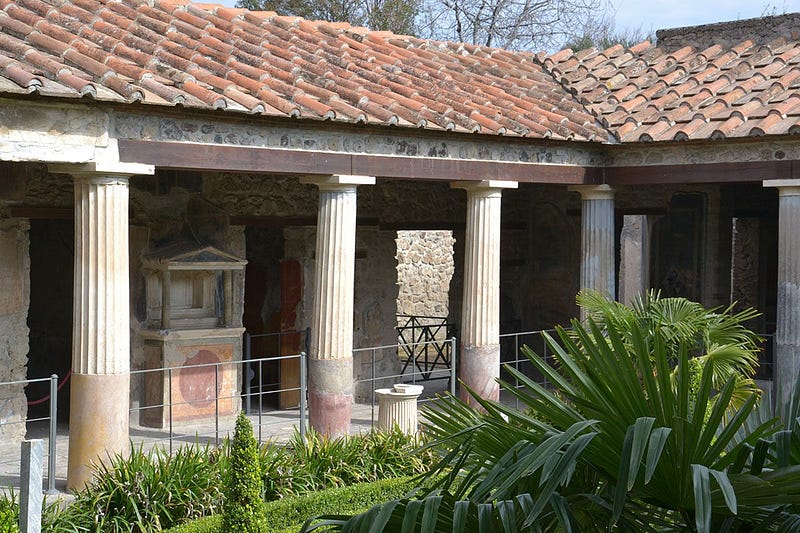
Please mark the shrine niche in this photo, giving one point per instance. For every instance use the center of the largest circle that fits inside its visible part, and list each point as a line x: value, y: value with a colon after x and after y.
x: 190, y: 334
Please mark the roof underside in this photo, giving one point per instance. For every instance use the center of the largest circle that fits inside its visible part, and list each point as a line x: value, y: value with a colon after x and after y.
x: 173, y: 53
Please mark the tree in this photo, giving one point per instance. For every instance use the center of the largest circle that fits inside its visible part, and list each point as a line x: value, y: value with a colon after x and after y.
x: 511, y: 24
x: 397, y: 16
x: 601, y: 33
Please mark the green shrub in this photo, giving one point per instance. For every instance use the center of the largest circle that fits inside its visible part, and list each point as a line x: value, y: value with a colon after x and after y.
x: 9, y: 513
x: 146, y: 491
x: 289, y: 514
x: 320, y: 463
x: 243, y: 510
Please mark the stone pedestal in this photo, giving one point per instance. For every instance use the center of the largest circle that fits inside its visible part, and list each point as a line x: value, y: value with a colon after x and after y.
x: 398, y: 407
x: 598, y: 268
x: 479, y: 362
x: 99, y: 397
x: 330, y: 372
x: 787, y: 333
x: 203, y: 381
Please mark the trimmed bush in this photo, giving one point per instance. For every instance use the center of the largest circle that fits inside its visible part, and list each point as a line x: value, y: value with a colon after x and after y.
x: 289, y: 514
x: 243, y: 510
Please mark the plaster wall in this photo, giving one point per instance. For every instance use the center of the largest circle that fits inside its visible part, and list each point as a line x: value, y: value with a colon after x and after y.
x: 14, y: 302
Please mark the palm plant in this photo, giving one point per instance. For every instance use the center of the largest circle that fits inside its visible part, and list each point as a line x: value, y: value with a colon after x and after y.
x: 718, y: 333
x: 622, y: 441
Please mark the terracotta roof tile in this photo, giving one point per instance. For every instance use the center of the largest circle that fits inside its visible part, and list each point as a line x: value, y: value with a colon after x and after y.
x: 689, y: 94
x: 170, y: 52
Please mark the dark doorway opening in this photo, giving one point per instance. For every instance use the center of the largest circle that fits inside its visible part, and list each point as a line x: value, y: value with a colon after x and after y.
x: 50, y: 313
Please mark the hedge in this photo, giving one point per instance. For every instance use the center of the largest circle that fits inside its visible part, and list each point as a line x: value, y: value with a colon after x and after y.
x: 289, y: 514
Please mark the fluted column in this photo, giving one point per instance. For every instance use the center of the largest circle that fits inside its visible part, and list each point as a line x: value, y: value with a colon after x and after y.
x: 634, y: 260
x: 99, y: 392
x: 787, y: 333
x: 330, y: 364
x: 479, y: 361
x: 598, y: 268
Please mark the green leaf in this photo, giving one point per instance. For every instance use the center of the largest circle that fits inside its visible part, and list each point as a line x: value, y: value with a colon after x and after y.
x: 702, y: 498
x: 727, y: 489
x: 641, y: 434
x: 410, y: 516
x: 658, y: 439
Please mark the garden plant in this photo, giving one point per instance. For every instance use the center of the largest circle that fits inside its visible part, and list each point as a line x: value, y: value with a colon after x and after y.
x: 642, y: 428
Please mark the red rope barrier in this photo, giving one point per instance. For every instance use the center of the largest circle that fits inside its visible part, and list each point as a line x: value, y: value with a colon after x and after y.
x: 46, y: 398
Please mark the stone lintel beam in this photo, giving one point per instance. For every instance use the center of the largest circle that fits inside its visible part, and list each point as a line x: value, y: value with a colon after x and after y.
x: 597, y: 238
x: 106, y: 161
x: 99, y: 394
x: 787, y: 333
x: 480, y: 317
x: 330, y: 363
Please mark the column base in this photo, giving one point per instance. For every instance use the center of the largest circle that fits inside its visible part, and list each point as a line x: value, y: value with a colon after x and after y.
x: 479, y: 368
x: 330, y: 395
x: 98, y: 423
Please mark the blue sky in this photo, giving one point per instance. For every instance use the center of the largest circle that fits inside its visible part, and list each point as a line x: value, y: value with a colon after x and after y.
x: 657, y: 14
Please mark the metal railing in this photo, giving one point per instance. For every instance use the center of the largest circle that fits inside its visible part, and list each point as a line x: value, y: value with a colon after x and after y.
x: 294, y: 338
x: 177, y: 410
x: 411, y: 374
x: 51, y: 419
x: 424, y: 341
x: 511, y: 355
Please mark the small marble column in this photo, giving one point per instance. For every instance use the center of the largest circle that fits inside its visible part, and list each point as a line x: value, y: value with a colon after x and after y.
x: 634, y: 257
x: 99, y: 391
x: 598, y: 268
x: 479, y: 358
x: 330, y: 363
x: 787, y: 333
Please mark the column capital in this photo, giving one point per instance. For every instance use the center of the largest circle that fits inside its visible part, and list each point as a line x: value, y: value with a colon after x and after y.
x: 486, y: 186
x: 594, y: 192
x: 101, y: 170
x: 785, y: 187
x: 338, y: 181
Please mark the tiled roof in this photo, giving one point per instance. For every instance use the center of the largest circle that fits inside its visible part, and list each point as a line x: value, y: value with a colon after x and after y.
x: 170, y: 52
x: 646, y: 94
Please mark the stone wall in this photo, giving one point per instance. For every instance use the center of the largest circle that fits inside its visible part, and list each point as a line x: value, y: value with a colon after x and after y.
x: 424, y: 270
x: 760, y: 30
x: 14, y: 301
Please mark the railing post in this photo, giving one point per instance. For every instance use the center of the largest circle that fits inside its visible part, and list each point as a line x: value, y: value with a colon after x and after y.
x: 453, y: 359
x: 169, y: 385
x: 246, y: 372
x: 303, y: 390
x: 372, y: 386
x: 260, y: 396
x: 216, y: 404
x: 51, y: 445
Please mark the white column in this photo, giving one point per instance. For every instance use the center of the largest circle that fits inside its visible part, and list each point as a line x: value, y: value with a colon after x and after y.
x: 330, y: 364
x: 598, y: 268
x: 99, y: 393
x: 479, y: 358
x: 787, y: 333
x: 634, y: 261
